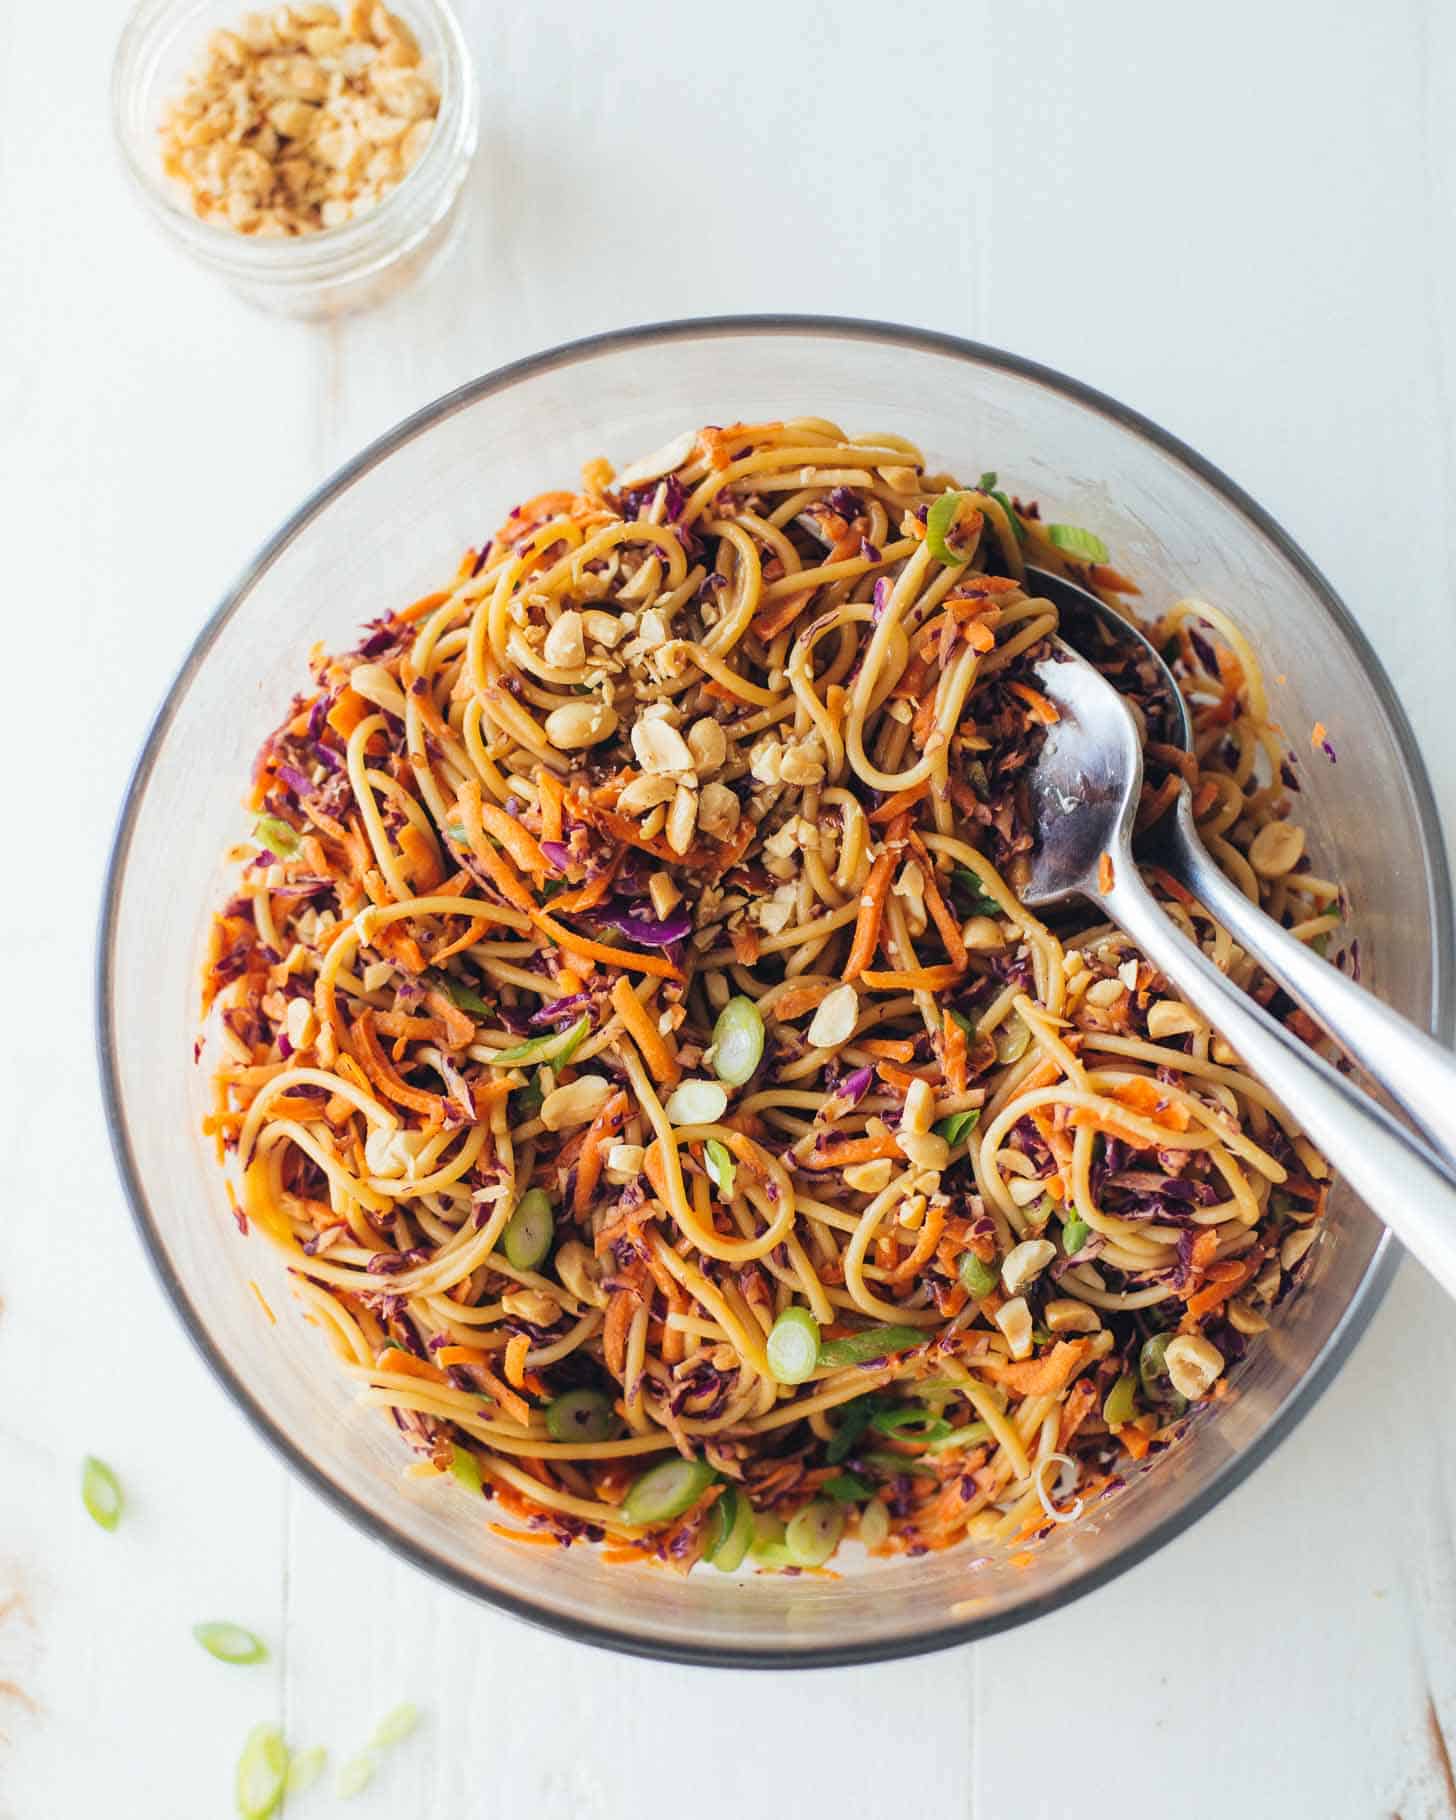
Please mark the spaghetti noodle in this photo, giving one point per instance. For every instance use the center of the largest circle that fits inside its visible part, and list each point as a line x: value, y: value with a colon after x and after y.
x: 632, y: 1036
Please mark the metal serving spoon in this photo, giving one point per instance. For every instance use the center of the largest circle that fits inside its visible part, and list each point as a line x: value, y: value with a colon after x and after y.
x: 1084, y: 791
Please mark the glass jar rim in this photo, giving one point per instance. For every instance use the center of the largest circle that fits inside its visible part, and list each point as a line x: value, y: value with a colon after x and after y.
x: 401, y: 219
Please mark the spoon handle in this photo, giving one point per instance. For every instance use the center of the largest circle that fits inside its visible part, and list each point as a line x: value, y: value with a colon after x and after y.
x: 1418, y: 1073
x: 1387, y: 1167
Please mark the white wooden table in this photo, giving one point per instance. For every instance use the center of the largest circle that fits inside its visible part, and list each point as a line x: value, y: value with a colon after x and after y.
x: 1239, y: 219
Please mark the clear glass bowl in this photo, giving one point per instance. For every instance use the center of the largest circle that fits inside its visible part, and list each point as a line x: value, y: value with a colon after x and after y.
x: 384, y: 531
x: 338, y: 269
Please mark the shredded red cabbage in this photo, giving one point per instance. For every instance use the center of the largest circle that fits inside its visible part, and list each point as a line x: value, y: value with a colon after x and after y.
x: 645, y: 930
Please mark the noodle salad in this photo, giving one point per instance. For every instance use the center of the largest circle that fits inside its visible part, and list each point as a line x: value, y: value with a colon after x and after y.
x: 627, y: 1025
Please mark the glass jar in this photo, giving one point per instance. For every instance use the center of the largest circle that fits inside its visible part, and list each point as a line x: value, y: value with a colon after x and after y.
x: 335, y: 270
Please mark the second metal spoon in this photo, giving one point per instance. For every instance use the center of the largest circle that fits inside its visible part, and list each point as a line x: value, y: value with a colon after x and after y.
x: 1085, y: 787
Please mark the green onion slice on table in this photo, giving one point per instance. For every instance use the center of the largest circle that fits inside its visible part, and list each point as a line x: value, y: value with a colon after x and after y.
x: 101, y: 1492
x: 230, y: 1642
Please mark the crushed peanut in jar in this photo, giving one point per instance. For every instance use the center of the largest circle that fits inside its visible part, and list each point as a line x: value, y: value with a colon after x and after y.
x: 300, y: 119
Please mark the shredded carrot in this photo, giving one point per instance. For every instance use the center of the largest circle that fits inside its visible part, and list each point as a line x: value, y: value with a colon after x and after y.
x: 658, y: 1052
x: 1104, y: 873
x: 417, y: 609
x: 503, y: 875
x: 519, y: 842
x: 634, y: 962
x: 953, y: 1054
x: 589, y: 895
x: 534, y: 1538
x: 462, y: 1355
x: 1089, y: 1118
x: 591, y: 1156
x: 421, y: 864
x: 799, y: 999
x: 871, y: 914
x: 1318, y: 734
x: 553, y: 802
x: 913, y: 979
x: 899, y: 802
x: 925, y: 1244
x: 620, y: 1311
x: 1041, y: 709
x: 348, y: 711
x: 1134, y: 1440
x: 516, y: 1349
x: 408, y: 1366
x: 889, y: 1049
x: 1224, y: 1280
x: 1144, y: 1096
x: 377, y: 1067
x: 941, y: 914
x: 1044, y: 1377
x: 781, y: 615
x: 842, y: 1153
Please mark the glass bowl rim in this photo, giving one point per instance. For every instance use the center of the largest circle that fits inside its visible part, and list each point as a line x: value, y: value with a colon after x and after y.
x: 1363, y: 1303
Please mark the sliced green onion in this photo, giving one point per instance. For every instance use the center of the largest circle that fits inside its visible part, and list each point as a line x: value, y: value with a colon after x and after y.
x: 978, y: 1277
x: 1077, y: 542
x: 1013, y: 516
x: 874, y: 1523
x: 1012, y: 1039
x: 1075, y: 1235
x: 848, y: 1488
x: 355, y: 1775
x: 869, y: 1343
x: 813, y: 1532
x: 580, y: 1415
x: 854, y: 1419
x: 664, y: 1492
x: 466, y: 1469
x: 769, y: 1548
x: 101, y: 1492
x: 1120, y: 1403
x: 768, y: 1531
x: 725, y: 1512
x: 1153, y: 1371
x: 718, y: 1160
x: 530, y: 1229
x: 557, y: 1046
x: 973, y: 893
x: 696, y: 1103
x: 793, y: 1346
x: 954, y: 1128
x: 463, y: 996
x: 280, y: 840
x: 970, y: 1436
x: 987, y: 480
x: 951, y: 528
x: 262, y: 1773
x: 1321, y: 944
x: 396, y: 1725
x: 897, y: 1463
x: 230, y: 1642
x: 911, y: 1422
x: 304, y: 1768
x: 737, y: 1041
x: 733, y: 1515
